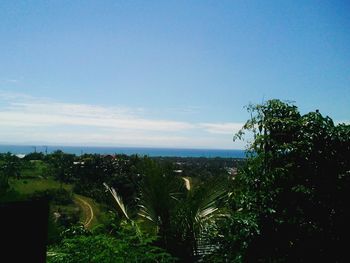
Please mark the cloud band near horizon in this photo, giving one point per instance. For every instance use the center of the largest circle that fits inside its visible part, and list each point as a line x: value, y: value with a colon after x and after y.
x: 26, y: 119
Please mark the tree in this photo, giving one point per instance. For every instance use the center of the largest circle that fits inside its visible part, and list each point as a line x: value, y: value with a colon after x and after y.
x: 62, y: 165
x: 291, y: 197
x: 34, y: 156
x: 9, y: 168
x: 181, y: 213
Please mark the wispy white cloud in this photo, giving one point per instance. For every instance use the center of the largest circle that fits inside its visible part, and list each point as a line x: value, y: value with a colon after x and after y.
x: 26, y: 111
x: 26, y: 119
x: 222, y: 128
x: 9, y: 80
x: 188, y: 109
x: 14, y: 96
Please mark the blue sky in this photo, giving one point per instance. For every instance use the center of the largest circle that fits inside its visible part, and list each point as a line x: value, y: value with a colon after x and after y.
x: 165, y: 73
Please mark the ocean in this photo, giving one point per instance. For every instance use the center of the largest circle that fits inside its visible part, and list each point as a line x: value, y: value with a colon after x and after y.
x: 152, y: 152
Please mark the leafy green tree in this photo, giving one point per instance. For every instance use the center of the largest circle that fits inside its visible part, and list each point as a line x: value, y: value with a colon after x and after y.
x: 61, y: 166
x: 119, y: 171
x: 34, y: 156
x: 291, y: 198
x: 10, y: 167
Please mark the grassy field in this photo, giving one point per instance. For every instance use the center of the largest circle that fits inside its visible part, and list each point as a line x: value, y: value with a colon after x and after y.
x: 29, y: 186
x: 35, y: 168
x: 20, y: 189
x: 34, y: 178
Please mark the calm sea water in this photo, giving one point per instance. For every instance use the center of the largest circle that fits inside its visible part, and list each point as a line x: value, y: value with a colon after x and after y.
x: 165, y: 152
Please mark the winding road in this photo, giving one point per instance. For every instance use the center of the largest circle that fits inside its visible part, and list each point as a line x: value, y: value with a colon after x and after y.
x: 87, y: 210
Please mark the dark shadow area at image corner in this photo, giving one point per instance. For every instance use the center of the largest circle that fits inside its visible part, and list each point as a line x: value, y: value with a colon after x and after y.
x: 24, y: 231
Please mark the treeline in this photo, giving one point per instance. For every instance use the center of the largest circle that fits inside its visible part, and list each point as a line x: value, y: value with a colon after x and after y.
x: 88, y: 172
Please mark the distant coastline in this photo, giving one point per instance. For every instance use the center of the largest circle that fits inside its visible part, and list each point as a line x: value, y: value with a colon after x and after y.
x: 152, y: 152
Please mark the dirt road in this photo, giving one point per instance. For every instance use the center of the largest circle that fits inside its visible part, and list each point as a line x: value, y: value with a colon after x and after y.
x: 87, y: 210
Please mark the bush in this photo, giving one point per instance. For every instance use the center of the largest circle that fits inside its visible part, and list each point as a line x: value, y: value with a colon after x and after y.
x: 86, y: 247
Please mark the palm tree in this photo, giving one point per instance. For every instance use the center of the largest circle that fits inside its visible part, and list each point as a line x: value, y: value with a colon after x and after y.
x: 180, y: 211
x: 195, y: 215
x: 159, y: 195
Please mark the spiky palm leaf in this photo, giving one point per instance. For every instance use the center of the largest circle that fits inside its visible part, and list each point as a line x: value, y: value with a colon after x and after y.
x: 122, y: 209
x: 182, y: 212
x: 197, y: 211
x: 120, y: 204
x: 159, y: 195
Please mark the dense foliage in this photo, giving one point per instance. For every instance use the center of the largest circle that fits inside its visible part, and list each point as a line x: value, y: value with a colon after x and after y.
x: 179, y: 211
x: 10, y: 167
x: 79, y: 245
x: 153, y: 191
x: 290, y: 202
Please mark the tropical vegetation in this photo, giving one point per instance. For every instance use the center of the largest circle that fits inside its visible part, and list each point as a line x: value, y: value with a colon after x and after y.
x: 286, y: 203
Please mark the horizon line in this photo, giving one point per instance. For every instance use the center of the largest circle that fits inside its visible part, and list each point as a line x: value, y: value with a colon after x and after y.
x: 117, y: 146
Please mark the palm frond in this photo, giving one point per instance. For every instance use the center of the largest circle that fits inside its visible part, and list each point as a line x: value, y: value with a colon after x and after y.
x: 159, y: 194
x: 187, y: 183
x: 207, y: 200
x: 197, y: 213
x: 121, y: 207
